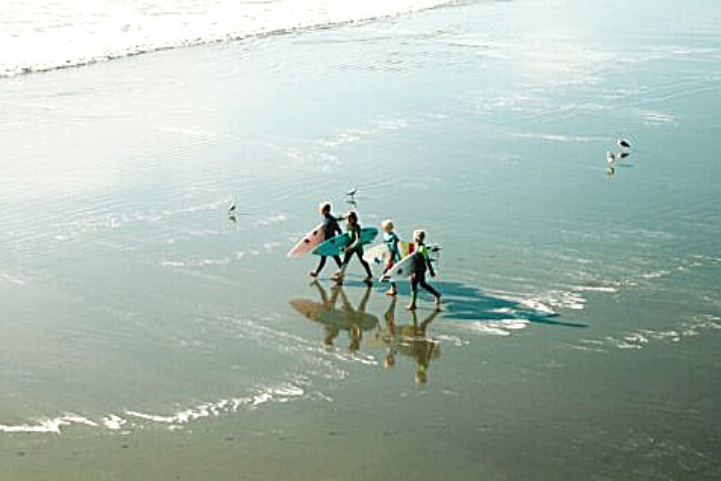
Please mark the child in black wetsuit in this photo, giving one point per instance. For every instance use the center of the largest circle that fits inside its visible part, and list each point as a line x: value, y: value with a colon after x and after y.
x: 354, y: 248
x: 330, y: 229
x: 421, y: 264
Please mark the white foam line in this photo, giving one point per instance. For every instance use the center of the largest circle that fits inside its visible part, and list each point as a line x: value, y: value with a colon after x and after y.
x: 48, y: 425
x: 494, y: 328
x: 557, y: 137
x: 606, y: 289
x: 189, y: 132
x: 80, y: 33
x: 12, y: 279
x: 113, y: 422
x: 271, y: 220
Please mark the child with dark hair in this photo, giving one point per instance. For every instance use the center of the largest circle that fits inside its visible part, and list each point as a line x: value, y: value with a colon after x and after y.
x: 354, y: 248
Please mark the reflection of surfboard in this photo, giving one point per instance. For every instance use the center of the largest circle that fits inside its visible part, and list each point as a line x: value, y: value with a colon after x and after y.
x: 413, y: 347
x: 333, y: 246
x: 340, y: 318
x: 407, y: 341
x: 308, y: 242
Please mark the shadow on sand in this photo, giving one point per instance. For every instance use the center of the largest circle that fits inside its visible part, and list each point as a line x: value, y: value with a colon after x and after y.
x: 463, y: 302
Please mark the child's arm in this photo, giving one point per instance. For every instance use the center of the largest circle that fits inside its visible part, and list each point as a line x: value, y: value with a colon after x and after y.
x: 355, y: 239
x: 430, y: 264
x: 336, y: 227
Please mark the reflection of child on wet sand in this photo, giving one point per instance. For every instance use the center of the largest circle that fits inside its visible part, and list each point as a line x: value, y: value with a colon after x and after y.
x: 390, y: 336
x: 355, y: 330
x: 331, y: 330
x: 422, y: 348
x: 343, y: 318
x: 412, y: 341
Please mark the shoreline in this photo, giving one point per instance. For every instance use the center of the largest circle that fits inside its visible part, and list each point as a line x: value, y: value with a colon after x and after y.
x: 134, y: 51
x: 576, y: 303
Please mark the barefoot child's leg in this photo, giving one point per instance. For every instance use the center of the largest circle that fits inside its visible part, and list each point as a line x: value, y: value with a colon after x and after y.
x: 316, y: 272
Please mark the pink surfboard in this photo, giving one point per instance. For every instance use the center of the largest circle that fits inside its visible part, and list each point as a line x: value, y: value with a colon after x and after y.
x: 309, y: 242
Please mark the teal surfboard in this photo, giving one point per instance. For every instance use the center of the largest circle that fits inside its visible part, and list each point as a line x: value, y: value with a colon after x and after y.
x: 333, y: 246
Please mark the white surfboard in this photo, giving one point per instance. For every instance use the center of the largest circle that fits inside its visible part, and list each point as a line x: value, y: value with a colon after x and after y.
x: 400, y: 271
x: 376, y: 254
x: 379, y: 254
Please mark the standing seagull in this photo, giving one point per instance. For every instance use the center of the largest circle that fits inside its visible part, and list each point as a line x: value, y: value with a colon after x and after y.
x: 610, y: 158
x: 623, y: 143
x: 231, y: 207
x: 352, y: 192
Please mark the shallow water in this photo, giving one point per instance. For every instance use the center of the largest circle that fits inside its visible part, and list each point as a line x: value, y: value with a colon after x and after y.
x: 41, y: 35
x: 580, y: 331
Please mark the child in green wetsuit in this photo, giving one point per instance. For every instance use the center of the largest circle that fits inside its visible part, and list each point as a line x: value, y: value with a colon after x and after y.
x: 393, y: 255
x: 354, y: 248
x: 421, y: 264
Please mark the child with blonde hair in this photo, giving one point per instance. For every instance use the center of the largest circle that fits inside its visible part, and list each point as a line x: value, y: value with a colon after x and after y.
x: 393, y: 255
x: 421, y: 264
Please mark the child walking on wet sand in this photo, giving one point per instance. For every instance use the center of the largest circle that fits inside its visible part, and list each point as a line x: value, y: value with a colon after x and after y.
x: 391, y: 240
x: 421, y: 264
x: 354, y: 248
x: 330, y: 229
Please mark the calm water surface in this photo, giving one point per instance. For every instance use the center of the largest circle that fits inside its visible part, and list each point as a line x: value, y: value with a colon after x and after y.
x: 146, y: 332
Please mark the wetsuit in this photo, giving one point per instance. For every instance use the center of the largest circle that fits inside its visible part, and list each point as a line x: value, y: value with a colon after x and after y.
x: 421, y: 264
x: 391, y: 240
x: 330, y: 230
x: 355, y: 247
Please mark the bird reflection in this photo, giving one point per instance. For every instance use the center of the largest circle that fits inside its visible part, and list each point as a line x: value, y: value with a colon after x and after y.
x: 610, y: 157
x: 336, y: 319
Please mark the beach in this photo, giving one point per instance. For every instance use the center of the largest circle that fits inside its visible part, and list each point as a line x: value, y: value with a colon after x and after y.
x: 147, y: 334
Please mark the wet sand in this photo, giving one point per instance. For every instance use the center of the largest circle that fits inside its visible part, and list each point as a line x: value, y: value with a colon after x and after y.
x: 147, y: 334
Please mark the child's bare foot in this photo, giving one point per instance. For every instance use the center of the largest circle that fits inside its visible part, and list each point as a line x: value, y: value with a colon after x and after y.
x: 337, y: 275
x: 391, y: 292
x: 313, y: 274
x: 368, y: 280
x: 411, y: 307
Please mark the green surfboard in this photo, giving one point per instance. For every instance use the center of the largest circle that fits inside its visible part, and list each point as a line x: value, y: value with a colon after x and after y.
x: 333, y: 246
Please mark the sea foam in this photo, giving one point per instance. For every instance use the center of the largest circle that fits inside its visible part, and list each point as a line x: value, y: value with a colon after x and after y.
x: 41, y: 35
